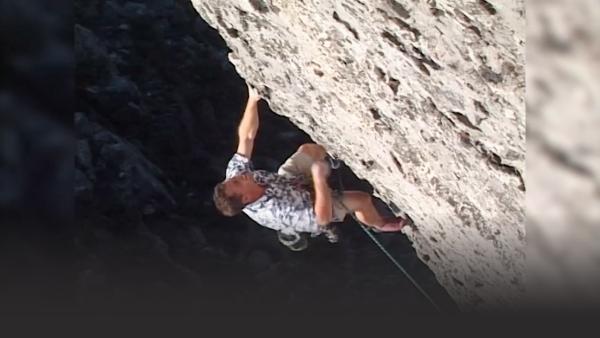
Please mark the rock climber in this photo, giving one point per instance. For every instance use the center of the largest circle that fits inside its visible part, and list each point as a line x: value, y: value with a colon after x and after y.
x: 296, y: 200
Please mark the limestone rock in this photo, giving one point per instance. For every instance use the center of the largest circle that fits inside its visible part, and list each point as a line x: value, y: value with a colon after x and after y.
x: 425, y: 100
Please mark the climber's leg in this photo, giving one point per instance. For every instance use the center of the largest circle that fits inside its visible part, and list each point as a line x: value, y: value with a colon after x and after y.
x: 301, y: 161
x: 316, y: 151
x: 361, y: 204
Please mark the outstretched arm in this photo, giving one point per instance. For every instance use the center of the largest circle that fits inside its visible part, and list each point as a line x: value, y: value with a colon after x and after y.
x: 249, y: 124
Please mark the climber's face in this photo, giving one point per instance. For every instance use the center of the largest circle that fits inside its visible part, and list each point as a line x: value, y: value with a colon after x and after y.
x: 240, y: 185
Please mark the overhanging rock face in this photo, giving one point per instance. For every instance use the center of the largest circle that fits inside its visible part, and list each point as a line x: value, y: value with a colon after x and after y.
x: 423, y: 99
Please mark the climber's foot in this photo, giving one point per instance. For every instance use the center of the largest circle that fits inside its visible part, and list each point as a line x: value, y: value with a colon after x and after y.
x: 391, y: 225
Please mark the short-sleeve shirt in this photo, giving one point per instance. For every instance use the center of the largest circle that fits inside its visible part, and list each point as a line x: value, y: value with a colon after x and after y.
x: 285, y: 206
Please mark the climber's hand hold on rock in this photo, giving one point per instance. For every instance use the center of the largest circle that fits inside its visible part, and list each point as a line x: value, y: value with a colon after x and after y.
x: 253, y: 93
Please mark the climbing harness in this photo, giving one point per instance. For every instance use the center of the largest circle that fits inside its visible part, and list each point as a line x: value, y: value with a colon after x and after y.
x: 334, y: 164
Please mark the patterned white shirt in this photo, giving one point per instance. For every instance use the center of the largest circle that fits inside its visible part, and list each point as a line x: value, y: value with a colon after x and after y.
x: 286, y: 205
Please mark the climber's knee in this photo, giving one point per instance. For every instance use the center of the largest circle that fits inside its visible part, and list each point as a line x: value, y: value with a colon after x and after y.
x: 316, y: 151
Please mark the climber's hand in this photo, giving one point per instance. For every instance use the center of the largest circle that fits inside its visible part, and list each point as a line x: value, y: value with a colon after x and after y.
x: 253, y: 94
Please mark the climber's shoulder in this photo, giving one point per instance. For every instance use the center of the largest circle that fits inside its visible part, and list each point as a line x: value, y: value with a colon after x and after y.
x: 237, y: 165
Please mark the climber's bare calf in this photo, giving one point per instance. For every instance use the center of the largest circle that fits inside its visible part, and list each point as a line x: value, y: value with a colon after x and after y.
x: 361, y: 204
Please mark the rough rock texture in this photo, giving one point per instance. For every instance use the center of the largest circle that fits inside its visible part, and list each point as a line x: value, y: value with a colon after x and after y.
x: 423, y: 99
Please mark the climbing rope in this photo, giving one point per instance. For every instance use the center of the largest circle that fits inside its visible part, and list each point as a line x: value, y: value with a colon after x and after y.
x: 334, y: 164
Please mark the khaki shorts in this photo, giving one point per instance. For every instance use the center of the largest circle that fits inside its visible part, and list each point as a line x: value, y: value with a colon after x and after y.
x: 299, y: 164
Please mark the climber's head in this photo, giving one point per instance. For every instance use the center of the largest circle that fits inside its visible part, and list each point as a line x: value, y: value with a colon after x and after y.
x: 232, y: 195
